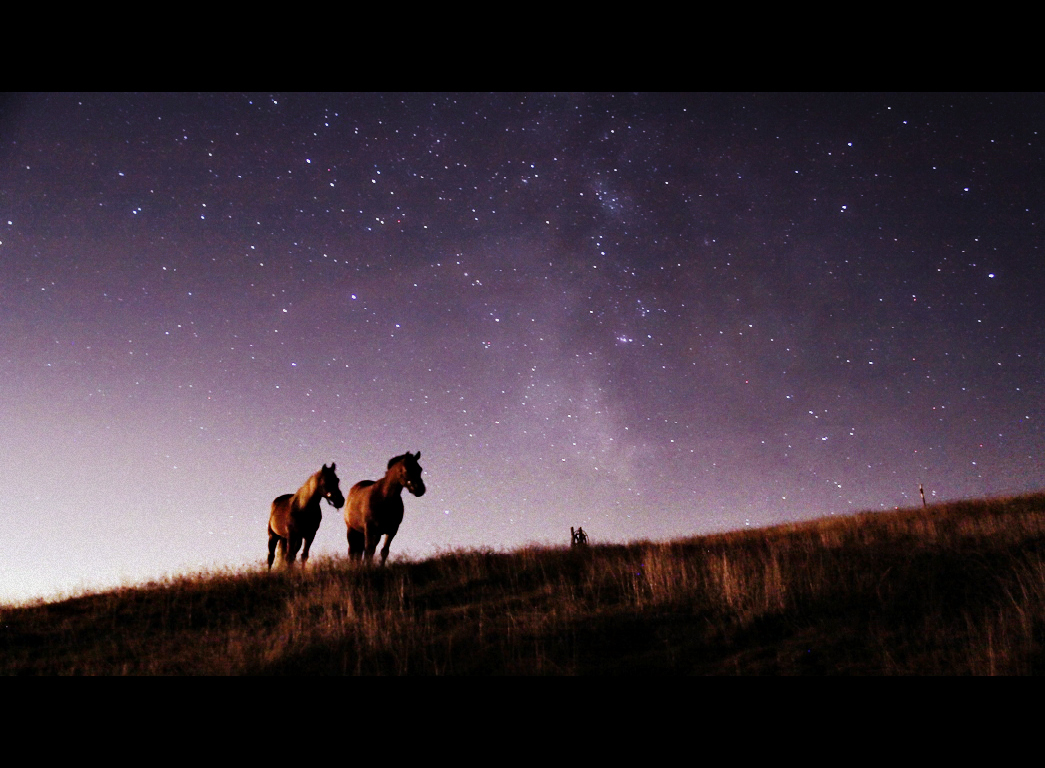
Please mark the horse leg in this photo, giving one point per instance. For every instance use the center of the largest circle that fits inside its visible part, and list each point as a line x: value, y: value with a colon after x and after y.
x: 304, y: 552
x: 273, y: 541
x: 293, y: 545
x: 356, y: 544
x: 371, y: 544
x: 384, y: 549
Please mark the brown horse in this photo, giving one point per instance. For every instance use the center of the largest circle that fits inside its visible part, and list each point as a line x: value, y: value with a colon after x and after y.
x: 295, y: 516
x: 375, y: 508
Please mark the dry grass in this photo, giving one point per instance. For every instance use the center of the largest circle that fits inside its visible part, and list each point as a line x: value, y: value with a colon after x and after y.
x: 955, y: 589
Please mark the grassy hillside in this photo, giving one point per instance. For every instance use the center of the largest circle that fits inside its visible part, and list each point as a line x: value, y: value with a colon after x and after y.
x: 954, y: 589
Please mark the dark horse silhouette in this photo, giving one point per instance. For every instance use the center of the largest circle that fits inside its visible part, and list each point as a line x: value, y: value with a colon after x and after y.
x: 375, y: 508
x: 295, y: 516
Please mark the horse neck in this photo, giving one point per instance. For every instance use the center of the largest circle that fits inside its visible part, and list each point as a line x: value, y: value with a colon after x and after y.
x: 390, y: 486
x: 307, y: 492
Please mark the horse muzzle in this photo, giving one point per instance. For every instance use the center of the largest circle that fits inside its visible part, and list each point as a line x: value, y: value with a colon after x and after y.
x: 418, y: 488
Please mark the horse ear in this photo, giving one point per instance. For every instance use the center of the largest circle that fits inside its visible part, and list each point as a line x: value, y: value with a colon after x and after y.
x: 333, y: 465
x: 418, y: 456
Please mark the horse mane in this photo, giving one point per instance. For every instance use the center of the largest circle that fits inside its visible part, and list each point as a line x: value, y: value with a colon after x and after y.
x: 394, y: 459
x: 304, y: 493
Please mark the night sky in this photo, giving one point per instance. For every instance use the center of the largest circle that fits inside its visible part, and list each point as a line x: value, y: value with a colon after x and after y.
x: 652, y: 316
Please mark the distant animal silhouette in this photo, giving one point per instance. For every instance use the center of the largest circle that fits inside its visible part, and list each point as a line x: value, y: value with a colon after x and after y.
x: 375, y: 508
x: 295, y: 516
x: 578, y: 538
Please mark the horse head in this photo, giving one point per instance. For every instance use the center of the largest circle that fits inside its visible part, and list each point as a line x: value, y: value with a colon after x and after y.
x: 407, y: 472
x: 330, y: 486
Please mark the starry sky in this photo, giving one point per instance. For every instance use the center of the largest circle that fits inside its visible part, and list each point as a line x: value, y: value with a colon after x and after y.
x: 650, y: 315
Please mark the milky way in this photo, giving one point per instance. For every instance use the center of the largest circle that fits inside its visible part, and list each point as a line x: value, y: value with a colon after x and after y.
x: 650, y: 315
